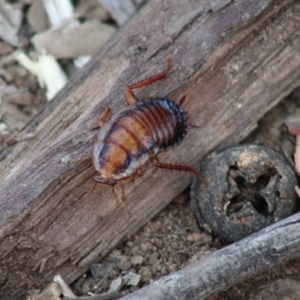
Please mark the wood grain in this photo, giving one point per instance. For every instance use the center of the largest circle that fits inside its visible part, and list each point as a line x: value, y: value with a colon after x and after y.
x: 233, y: 61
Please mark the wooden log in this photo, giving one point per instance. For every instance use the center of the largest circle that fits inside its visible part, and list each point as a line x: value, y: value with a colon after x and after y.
x: 233, y: 61
x: 231, y: 265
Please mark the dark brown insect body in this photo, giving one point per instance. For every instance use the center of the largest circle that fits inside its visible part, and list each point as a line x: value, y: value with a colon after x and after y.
x: 137, y: 134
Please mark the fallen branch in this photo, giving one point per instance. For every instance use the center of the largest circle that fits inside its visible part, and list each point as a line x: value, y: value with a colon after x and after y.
x: 225, y: 268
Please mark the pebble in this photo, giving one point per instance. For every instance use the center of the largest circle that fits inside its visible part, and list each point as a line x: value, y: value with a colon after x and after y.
x: 87, y: 285
x: 115, y: 285
x: 145, y: 247
x: 105, y: 269
x: 123, y: 262
x: 164, y: 270
x: 131, y: 279
x: 194, y: 237
x: 153, y: 258
x: 130, y: 244
x: 145, y: 273
x: 180, y: 257
x: 154, y: 269
x: 172, y: 268
x: 136, y: 260
x: 5, y: 48
x: 135, y: 250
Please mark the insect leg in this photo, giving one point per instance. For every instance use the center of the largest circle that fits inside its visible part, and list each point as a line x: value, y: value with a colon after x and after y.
x: 103, y: 116
x: 78, y: 160
x: 130, y: 98
x: 181, y: 100
x: 154, y: 160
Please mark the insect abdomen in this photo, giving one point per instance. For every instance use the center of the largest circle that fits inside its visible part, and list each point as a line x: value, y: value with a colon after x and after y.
x: 163, y: 121
x: 139, y: 132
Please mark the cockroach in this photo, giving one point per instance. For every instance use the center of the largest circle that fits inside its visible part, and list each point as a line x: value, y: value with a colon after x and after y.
x: 137, y: 133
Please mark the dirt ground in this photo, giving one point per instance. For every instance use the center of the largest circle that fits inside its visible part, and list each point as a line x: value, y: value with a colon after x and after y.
x: 173, y: 238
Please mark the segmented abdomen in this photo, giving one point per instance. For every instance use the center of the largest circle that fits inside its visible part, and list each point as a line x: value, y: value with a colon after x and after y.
x: 144, y: 129
x: 162, y: 120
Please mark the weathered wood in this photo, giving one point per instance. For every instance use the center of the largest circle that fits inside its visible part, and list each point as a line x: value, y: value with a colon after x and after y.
x: 231, y: 265
x: 233, y: 61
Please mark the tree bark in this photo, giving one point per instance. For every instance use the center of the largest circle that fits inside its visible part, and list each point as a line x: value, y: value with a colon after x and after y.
x: 233, y: 60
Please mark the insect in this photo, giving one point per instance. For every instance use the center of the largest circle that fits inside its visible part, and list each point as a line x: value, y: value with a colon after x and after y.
x: 137, y: 133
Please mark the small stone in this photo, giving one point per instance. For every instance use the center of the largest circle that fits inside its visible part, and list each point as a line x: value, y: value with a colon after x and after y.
x: 136, y: 260
x: 130, y: 244
x: 87, y: 285
x: 104, y: 269
x: 145, y: 273
x: 135, y: 250
x: 5, y: 48
x: 172, y: 268
x: 154, y: 248
x: 164, y: 270
x: 194, y: 237
x: 155, y: 269
x: 115, y: 285
x: 145, y: 247
x: 180, y: 257
x: 133, y: 288
x: 123, y: 262
x: 153, y: 259
x: 131, y: 279
x: 116, y: 252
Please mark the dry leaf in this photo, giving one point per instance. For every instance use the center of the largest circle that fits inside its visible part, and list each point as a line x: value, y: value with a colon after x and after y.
x: 48, y: 71
x: 84, y: 39
x: 37, y: 16
x: 10, y: 20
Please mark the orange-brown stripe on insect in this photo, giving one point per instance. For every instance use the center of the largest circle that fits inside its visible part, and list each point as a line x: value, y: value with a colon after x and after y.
x: 113, y: 159
x: 137, y: 135
x: 173, y: 124
x: 121, y: 136
x: 149, y: 124
x: 154, y: 125
x: 158, y: 114
x: 165, y: 122
x: 139, y: 115
x: 145, y: 139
